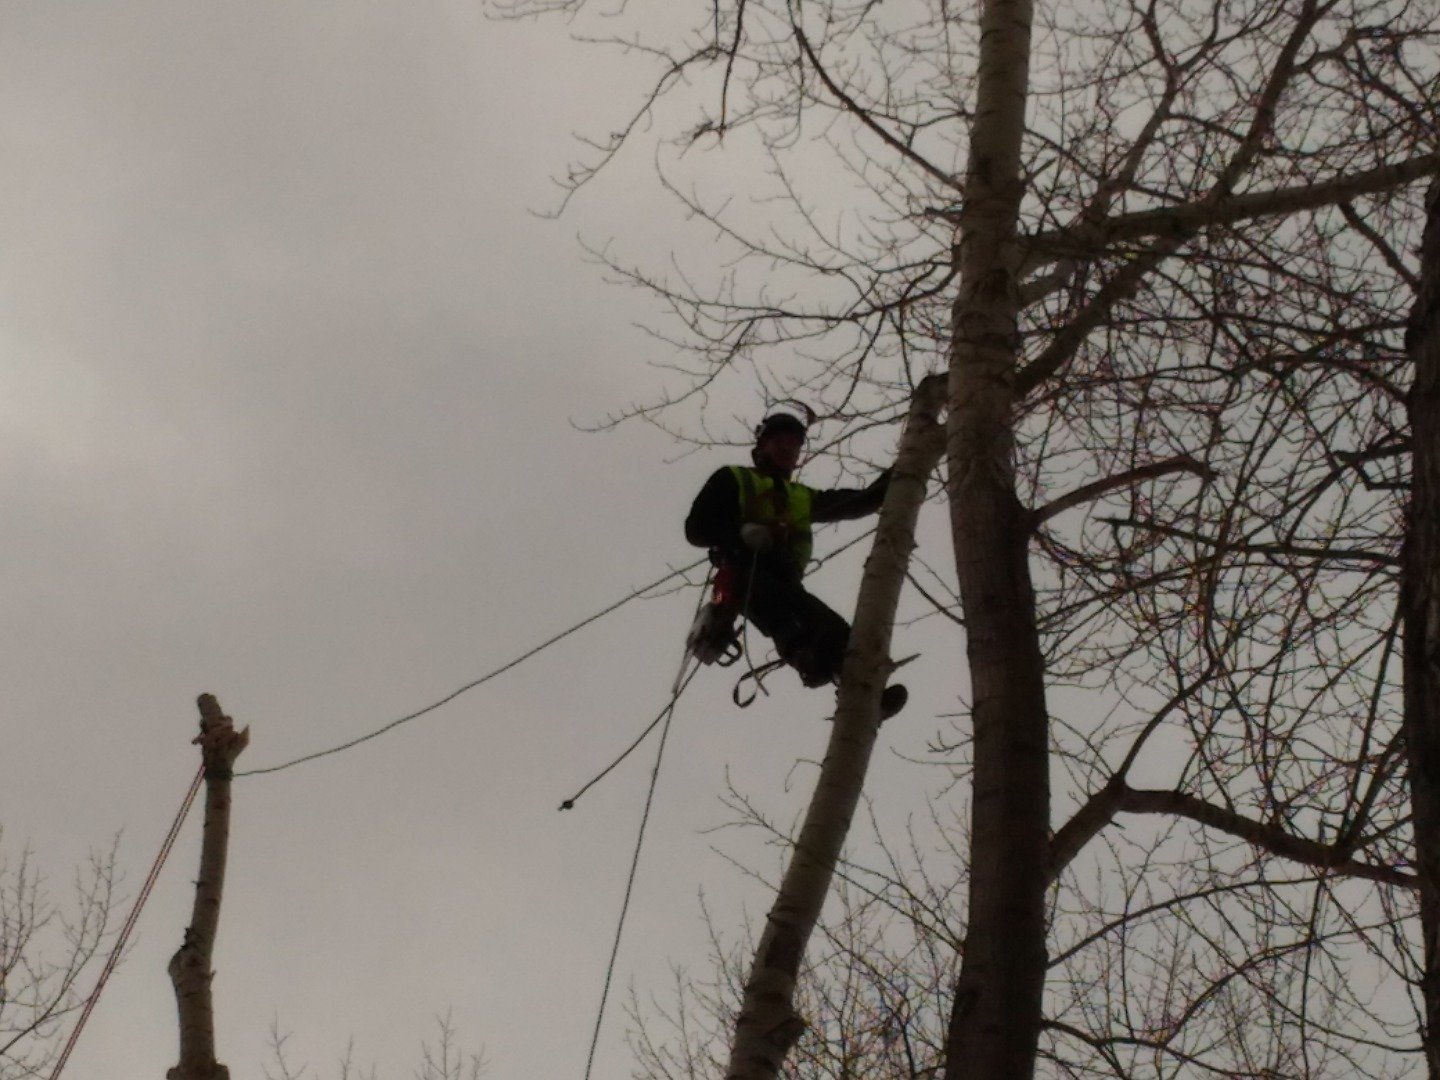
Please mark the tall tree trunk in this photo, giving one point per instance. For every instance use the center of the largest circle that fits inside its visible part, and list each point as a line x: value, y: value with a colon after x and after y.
x: 768, y: 1025
x: 1420, y: 602
x: 220, y: 745
x: 995, y: 1023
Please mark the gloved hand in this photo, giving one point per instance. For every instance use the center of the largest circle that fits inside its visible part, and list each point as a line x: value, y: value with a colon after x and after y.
x: 757, y: 537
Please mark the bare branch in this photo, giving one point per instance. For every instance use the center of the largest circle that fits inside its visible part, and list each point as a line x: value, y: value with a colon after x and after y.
x: 1267, y: 837
x: 1094, y: 490
x: 1190, y: 218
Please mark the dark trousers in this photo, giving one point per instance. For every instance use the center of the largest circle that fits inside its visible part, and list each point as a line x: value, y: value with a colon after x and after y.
x: 809, y: 635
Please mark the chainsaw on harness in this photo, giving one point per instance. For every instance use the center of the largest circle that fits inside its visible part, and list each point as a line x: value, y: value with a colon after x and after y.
x: 713, y: 636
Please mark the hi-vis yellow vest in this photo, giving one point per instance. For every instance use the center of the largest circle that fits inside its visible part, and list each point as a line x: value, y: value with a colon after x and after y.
x: 763, y: 502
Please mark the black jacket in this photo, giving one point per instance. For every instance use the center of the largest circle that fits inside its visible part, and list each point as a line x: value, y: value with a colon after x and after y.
x: 714, y: 519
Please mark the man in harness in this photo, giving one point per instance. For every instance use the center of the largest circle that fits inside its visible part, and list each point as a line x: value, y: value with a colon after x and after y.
x: 757, y: 524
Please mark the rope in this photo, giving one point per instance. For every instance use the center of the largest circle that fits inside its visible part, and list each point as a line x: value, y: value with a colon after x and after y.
x: 476, y: 682
x: 665, y: 717
x: 124, y: 935
x: 668, y: 715
x: 569, y: 804
x: 843, y: 548
x: 516, y: 663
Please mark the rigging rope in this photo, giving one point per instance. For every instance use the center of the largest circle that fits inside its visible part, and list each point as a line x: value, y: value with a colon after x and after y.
x: 569, y: 804
x: 636, y: 594
x: 682, y: 680
x: 125, y: 931
x: 476, y: 682
x: 667, y: 715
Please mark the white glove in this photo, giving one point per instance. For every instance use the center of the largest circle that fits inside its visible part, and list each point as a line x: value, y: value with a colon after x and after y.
x: 757, y: 537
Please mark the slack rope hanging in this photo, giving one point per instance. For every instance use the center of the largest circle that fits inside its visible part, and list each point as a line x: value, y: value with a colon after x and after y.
x: 667, y: 715
x: 634, y: 595
x: 476, y: 682
x: 683, y: 680
x: 569, y: 804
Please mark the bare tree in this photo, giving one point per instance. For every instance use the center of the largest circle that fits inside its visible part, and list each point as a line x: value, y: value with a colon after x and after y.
x: 444, y: 1059
x: 875, y: 990
x: 1162, y: 254
x: 45, y: 951
x: 1421, y: 612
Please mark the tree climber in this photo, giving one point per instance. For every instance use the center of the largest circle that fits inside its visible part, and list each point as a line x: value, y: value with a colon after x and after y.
x: 757, y: 522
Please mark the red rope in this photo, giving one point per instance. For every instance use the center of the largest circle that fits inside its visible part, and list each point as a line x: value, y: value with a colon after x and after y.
x: 124, y: 936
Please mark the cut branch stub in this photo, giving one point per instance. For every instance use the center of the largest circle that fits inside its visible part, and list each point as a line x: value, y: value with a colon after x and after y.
x: 190, y: 970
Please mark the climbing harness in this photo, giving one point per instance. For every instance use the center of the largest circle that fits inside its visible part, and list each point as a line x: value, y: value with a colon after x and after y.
x: 713, y: 638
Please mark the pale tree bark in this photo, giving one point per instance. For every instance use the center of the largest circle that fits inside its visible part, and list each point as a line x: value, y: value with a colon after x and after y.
x: 190, y: 972
x: 767, y: 1025
x: 995, y: 1023
x: 1420, y: 603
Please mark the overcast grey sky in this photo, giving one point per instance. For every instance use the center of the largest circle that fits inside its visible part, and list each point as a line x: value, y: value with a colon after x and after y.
x: 287, y: 378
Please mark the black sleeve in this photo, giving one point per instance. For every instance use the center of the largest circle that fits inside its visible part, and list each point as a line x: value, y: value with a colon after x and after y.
x: 714, y: 520
x: 842, y: 504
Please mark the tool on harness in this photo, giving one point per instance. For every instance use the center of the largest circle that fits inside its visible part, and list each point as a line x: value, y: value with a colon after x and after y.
x: 713, y: 637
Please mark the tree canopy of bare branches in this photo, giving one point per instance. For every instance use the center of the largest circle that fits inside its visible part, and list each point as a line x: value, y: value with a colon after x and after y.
x: 46, y: 947
x: 1165, y: 254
